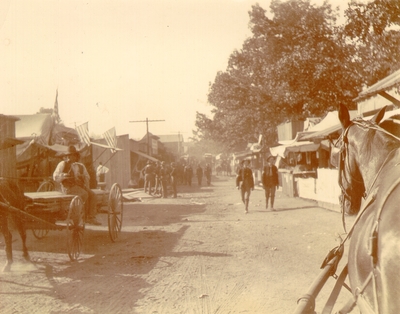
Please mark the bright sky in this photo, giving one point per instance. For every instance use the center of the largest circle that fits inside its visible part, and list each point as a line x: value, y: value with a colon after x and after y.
x: 115, y: 61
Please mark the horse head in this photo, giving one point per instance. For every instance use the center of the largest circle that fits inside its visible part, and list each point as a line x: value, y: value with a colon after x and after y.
x: 369, y: 164
x: 352, y: 146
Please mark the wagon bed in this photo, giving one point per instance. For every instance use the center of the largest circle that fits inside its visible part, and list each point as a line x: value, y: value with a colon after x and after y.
x: 52, y: 210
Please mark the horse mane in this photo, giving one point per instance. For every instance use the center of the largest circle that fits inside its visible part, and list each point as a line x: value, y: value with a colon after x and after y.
x: 383, y: 130
x: 391, y: 126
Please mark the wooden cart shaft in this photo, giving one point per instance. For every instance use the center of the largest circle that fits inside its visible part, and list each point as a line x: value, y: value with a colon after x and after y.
x: 21, y: 213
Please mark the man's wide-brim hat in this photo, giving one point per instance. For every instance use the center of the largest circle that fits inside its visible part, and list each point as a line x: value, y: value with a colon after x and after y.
x: 71, y: 151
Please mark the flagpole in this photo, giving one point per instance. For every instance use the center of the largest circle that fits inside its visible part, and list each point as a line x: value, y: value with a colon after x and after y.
x: 112, y: 155
x: 100, y: 155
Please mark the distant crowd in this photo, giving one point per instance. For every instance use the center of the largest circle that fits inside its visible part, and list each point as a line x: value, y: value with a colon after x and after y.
x: 158, y: 176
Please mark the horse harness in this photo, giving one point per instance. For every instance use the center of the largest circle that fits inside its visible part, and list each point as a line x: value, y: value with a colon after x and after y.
x: 343, y: 153
x: 371, y: 196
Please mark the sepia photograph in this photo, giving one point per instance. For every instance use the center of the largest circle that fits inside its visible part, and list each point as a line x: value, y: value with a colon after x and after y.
x: 200, y: 156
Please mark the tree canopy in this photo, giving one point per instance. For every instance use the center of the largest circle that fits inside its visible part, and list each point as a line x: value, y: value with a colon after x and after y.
x: 297, y: 64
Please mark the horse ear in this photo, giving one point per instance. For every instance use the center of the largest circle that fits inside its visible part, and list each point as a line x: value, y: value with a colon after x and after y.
x: 379, y: 115
x: 344, y: 116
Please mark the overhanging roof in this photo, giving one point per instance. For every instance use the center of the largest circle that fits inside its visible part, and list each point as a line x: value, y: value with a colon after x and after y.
x: 297, y: 147
x: 337, y: 127
x: 329, y: 125
x: 380, y: 86
x: 7, y: 142
x: 323, y: 133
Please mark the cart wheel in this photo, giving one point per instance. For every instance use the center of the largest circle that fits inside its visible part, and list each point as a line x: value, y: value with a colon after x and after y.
x: 75, y: 228
x: 40, y: 233
x: 46, y: 186
x: 115, y: 211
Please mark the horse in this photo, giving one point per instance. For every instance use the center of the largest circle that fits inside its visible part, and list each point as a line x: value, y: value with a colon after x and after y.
x: 11, y: 195
x: 369, y: 176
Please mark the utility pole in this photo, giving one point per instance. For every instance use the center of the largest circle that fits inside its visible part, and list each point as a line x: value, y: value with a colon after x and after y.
x: 147, y: 131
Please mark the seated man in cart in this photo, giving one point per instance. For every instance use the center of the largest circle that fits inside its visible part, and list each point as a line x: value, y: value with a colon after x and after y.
x: 74, y: 180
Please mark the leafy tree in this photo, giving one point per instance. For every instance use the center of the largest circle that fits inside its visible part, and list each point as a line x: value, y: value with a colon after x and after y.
x: 374, y: 32
x: 295, y: 65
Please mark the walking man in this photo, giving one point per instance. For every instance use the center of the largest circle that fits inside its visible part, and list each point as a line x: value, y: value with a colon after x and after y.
x: 189, y: 174
x: 245, y: 183
x: 270, y: 181
x: 207, y: 173
x: 174, y: 177
x: 163, y: 180
x: 199, y: 174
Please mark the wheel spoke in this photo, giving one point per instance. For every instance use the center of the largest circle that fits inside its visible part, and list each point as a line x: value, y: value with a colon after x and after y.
x: 75, y: 228
x: 115, y: 211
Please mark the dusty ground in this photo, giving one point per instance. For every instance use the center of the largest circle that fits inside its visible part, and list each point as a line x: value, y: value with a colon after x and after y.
x: 198, y: 253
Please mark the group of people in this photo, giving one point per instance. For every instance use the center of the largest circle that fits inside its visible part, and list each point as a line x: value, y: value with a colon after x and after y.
x: 159, y: 175
x: 245, y: 182
x: 74, y: 179
x: 188, y: 174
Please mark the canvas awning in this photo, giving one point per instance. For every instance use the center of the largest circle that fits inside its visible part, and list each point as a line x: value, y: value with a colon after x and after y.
x: 42, y: 129
x: 337, y: 127
x: 298, y: 147
x: 36, y: 126
x: 323, y: 133
x: 28, y: 150
x: 383, y: 85
x: 329, y: 125
x: 144, y: 155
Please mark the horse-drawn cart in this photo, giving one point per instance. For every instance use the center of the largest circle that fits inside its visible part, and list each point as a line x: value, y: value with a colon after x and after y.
x: 52, y: 210
x: 368, y: 160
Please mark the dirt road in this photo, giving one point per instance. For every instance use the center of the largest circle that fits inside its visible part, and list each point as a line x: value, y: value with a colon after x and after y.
x: 198, y: 253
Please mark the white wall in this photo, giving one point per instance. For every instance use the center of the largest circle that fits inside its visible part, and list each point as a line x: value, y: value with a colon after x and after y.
x: 325, y: 189
x: 375, y: 102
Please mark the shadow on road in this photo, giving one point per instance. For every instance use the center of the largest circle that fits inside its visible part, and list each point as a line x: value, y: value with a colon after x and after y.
x: 108, y: 278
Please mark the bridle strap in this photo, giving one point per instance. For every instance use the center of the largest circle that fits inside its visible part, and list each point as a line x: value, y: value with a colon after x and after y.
x: 370, y: 196
x: 342, y: 166
x: 342, y: 163
x: 376, y: 128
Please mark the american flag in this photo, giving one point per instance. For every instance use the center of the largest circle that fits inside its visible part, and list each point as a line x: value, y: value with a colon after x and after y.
x: 55, y: 114
x: 83, y: 132
x: 111, y: 138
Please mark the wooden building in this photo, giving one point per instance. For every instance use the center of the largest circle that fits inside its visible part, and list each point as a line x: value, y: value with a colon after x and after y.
x: 8, y: 142
x: 117, y: 161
